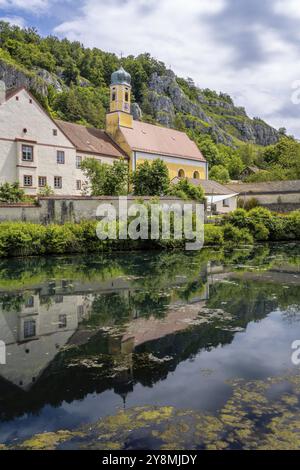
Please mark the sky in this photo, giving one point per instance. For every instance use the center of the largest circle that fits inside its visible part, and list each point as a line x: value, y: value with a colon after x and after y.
x: 247, y: 48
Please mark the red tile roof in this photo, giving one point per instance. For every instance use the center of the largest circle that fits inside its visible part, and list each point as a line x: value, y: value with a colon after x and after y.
x: 91, y: 140
x: 161, y: 141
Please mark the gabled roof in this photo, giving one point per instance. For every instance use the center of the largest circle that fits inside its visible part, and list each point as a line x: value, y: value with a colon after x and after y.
x: 163, y: 141
x: 91, y: 140
x: 267, y: 187
x: 210, y: 187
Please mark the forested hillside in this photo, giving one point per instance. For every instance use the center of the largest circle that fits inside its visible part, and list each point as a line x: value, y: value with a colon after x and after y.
x: 72, y: 83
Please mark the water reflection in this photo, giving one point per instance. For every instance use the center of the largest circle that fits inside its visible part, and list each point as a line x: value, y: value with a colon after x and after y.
x: 85, y: 335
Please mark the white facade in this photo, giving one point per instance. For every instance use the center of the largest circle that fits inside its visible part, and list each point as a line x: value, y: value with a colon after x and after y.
x: 31, y: 145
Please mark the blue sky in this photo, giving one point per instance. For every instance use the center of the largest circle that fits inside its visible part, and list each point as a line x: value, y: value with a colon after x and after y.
x: 247, y: 48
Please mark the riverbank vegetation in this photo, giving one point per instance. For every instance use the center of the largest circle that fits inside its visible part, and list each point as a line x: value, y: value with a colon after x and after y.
x: 238, y: 229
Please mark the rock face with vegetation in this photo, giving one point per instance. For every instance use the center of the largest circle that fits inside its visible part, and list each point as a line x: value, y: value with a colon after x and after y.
x: 50, y: 67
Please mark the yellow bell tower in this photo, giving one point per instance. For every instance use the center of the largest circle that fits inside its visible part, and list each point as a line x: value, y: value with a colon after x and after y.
x: 120, y: 103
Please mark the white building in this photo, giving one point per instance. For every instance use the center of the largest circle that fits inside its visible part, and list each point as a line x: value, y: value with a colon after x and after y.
x: 37, y: 151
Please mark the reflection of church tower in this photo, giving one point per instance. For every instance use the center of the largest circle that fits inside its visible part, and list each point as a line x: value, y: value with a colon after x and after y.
x: 120, y: 102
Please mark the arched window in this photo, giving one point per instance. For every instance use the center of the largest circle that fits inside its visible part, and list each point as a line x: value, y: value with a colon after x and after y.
x: 181, y: 174
x: 196, y: 175
x: 126, y: 96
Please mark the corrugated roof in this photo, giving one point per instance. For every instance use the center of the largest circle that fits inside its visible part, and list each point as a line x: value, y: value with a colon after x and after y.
x: 210, y: 187
x: 91, y: 140
x: 161, y: 141
x: 267, y: 187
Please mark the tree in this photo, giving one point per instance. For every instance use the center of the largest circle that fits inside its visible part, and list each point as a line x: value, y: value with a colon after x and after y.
x: 151, y: 179
x: 104, y: 179
x: 186, y: 190
x: 219, y: 173
x: 210, y: 151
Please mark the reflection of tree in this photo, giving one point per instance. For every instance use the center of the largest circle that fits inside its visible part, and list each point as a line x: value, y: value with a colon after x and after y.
x: 11, y: 303
x: 251, y: 299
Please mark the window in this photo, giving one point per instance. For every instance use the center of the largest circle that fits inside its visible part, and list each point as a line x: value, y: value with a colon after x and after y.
x: 59, y: 299
x: 42, y: 181
x: 181, y: 174
x: 55, y: 132
x: 29, y: 302
x: 226, y: 203
x: 57, y: 182
x: 27, y: 153
x: 78, y: 185
x: 27, y: 180
x: 60, y: 157
x: 113, y: 96
x: 62, y: 321
x: 78, y: 162
x: 127, y: 96
x: 80, y: 310
x: 29, y: 329
x: 196, y: 175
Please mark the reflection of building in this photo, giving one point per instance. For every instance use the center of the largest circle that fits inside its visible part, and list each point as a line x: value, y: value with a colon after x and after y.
x: 34, y: 335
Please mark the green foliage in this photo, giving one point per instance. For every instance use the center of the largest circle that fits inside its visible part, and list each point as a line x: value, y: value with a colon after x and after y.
x: 237, y: 236
x: 279, y: 162
x: 219, y: 173
x: 11, y: 193
x: 104, y: 179
x: 249, y: 204
x: 81, y: 105
x: 214, y: 235
x: 151, y: 179
x: 185, y: 190
x: 46, y: 191
x: 265, y: 225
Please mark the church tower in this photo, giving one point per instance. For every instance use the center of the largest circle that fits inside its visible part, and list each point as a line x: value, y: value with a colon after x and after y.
x: 120, y: 103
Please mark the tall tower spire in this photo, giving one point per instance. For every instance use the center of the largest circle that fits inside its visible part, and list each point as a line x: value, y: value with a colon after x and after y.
x: 120, y: 102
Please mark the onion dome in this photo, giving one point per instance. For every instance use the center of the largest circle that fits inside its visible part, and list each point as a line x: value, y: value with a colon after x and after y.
x: 121, y: 77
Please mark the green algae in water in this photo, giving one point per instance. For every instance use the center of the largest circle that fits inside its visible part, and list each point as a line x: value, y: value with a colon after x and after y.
x: 250, y: 419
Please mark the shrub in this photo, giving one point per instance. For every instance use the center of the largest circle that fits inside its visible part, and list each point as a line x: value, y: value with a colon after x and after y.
x: 213, y: 235
x: 249, y: 204
x: 185, y: 190
x: 11, y: 193
x: 237, y: 236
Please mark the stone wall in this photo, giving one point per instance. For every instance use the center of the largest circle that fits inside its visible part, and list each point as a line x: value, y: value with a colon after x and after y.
x: 69, y: 209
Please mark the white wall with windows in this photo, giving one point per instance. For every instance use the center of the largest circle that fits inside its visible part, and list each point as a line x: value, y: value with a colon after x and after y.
x: 35, y: 152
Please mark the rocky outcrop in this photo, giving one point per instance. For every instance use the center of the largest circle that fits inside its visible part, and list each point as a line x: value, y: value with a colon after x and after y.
x: 15, y: 77
x: 50, y: 79
x: 136, y: 112
x: 208, y: 113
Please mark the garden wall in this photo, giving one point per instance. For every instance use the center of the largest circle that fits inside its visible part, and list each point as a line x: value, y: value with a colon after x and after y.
x: 58, y: 209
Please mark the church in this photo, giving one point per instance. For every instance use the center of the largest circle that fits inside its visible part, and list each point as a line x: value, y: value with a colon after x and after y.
x: 38, y: 151
x: 143, y: 141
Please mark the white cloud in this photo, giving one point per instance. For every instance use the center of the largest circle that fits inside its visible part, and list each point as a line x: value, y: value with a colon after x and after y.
x: 24, y: 4
x: 287, y: 7
x: 14, y: 20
